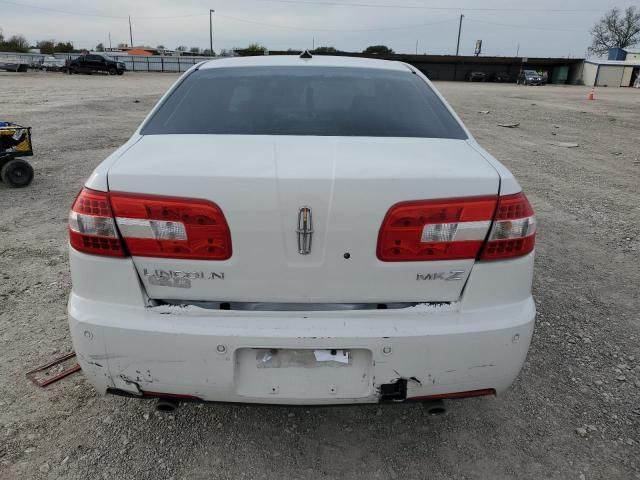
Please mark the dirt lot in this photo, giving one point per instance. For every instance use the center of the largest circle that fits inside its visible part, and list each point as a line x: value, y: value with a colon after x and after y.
x: 573, y: 413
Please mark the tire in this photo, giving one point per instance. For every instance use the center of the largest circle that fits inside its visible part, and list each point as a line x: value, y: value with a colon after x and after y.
x: 120, y: 72
x: 113, y: 71
x: 17, y: 173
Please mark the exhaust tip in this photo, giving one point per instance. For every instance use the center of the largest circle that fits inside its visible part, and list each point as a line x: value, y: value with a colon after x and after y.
x: 166, y: 405
x: 434, y: 407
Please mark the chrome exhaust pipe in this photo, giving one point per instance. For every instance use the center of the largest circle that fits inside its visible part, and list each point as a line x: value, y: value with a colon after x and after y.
x: 167, y: 405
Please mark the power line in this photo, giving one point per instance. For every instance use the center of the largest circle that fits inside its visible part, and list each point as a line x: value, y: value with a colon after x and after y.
x: 314, y: 2
x: 169, y: 17
x: 528, y: 27
x: 427, y: 7
x: 47, y: 9
x: 310, y: 29
x: 97, y: 15
x: 334, y: 3
x: 228, y: 17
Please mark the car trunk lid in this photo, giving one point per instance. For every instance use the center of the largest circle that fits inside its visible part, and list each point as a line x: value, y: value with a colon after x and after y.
x: 261, y: 183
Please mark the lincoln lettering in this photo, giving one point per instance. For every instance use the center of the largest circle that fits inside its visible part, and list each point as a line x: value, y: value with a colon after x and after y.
x: 179, y: 274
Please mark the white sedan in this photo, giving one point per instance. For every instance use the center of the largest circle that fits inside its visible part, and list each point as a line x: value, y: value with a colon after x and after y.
x: 295, y: 230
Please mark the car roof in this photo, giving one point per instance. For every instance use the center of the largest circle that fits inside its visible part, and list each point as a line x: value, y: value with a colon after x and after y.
x: 295, y: 60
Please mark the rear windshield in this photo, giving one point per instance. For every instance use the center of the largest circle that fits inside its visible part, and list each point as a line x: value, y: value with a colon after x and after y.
x: 304, y: 101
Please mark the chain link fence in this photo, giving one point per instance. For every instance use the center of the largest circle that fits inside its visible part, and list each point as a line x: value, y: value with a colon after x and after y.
x: 134, y: 63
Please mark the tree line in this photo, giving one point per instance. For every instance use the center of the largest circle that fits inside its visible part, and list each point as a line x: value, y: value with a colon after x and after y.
x: 19, y: 44
x: 372, y: 50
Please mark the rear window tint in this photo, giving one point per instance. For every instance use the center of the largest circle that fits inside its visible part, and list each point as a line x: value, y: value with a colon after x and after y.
x: 316, y: 101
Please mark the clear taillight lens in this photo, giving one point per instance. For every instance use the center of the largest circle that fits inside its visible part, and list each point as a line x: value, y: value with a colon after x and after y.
x: 91, y: 225
x: 513, y: 233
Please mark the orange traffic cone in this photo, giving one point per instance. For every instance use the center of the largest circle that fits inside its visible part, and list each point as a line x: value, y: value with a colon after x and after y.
x: 591, y: 95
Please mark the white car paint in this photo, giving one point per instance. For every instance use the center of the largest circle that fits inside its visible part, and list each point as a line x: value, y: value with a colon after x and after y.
x: 459, y: 336
x: 259, y: 182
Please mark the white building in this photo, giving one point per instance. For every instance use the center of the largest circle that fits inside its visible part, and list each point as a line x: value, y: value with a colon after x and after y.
x: 633, y: 55
x: 610, y: 73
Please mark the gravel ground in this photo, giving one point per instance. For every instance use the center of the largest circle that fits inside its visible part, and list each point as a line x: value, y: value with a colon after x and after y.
x: 573, y: 413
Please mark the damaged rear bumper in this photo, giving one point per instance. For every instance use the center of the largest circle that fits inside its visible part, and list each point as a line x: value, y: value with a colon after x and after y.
x: 217, y: 355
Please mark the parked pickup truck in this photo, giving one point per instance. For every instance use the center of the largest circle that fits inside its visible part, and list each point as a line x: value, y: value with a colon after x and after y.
x: 95, y: 63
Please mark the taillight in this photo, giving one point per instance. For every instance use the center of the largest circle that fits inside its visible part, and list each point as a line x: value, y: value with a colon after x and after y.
x: 456, y: 229
x: 513, y: 233
x: 149, y: 225
x: 449, y: 229
x: 171, y: 227
x: 91, y: 225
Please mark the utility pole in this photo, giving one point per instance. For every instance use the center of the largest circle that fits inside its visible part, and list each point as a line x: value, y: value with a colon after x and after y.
x: 518, y: 50
x: 211, y: 32
x: 130, y: 32
x: 417, y: 47
x: 313, y: 43
x: 459, y: 32
x: 109, y: 40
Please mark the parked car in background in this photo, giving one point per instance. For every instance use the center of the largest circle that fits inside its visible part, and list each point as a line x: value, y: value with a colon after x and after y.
x: 52, y: 64
x: 12, y: 63
x: 501, y: 77
x: 93, y: 62
x: 529, y: 77
x: 545, y: 77
x: 476, y: 77
x: 301, y: 230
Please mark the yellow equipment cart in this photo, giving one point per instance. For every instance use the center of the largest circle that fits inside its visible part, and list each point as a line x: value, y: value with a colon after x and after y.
x: 15, y: 142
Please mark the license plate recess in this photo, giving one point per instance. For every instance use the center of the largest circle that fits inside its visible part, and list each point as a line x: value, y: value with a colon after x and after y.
x: 303, y: 374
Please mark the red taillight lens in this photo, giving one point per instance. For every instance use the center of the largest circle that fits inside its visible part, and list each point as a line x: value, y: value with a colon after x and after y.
x: 449, y: 229
x: 91, y: 225
x: 513, y: 233
x: 171, y: 227
x: 150, y: 225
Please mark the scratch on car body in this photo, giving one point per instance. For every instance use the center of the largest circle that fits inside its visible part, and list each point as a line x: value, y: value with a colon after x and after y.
x: 488, y: 365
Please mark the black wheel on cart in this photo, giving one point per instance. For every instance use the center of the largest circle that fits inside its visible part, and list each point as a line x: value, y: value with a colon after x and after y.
x: 17, y: 173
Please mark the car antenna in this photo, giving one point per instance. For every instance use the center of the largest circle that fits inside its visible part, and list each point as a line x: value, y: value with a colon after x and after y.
x: 306, y: 54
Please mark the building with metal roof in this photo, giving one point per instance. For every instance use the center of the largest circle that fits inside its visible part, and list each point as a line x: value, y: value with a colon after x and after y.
x: 459, y: 67
x: 621, y: 69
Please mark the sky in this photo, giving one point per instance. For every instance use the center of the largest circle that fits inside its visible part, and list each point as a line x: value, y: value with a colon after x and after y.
x: 541, y: 28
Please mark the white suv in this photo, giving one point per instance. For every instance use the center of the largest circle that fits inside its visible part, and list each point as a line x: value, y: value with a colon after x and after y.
x: 301, y: 231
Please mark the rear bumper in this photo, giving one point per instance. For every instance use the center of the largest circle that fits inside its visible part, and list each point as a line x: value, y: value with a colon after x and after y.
x: 477, y: 343
x: 209, y: 355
